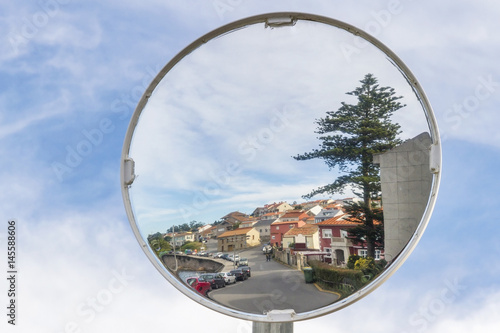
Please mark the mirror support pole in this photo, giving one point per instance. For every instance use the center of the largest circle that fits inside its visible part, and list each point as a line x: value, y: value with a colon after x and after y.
x: 260, y: 327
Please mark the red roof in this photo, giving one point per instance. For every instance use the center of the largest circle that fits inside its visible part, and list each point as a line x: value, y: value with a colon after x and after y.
x: 338, y: 220
x: 308, y: 229
x: 286, y: 222
x: 236, y: 232
x: 293, y: 214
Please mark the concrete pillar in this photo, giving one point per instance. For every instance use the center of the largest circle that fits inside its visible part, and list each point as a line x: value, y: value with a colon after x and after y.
x: 259, y: 327
x: 406, y: 183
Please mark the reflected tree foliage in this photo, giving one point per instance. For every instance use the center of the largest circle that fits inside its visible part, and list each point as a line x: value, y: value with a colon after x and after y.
x: 349, y: 137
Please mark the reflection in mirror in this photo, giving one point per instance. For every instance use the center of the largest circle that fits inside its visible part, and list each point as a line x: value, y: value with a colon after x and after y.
x: 280, y: 168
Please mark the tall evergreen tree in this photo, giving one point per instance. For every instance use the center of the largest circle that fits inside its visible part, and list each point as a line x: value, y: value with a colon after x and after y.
x: 349, y: 138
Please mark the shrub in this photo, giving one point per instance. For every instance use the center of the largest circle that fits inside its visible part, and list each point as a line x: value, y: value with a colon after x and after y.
x: 369, y: 267
x: 337, y: 277
x: 191, y: 246
x: 352, y: 260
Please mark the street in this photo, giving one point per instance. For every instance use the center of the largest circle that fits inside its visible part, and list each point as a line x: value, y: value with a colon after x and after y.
x: 271, y: 286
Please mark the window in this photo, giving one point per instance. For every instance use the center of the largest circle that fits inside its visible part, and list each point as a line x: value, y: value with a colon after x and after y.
x: 291, y: 226
x: 363, y: 253
x: 343, y: 233
x: 273, y: 237
x: 327, y: 233
x: 277, y: 227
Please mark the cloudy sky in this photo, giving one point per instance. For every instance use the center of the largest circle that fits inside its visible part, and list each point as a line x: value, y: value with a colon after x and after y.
x: 71, y: 74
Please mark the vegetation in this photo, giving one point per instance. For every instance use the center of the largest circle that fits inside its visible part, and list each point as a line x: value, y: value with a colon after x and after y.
x: 191, y: 246
x: 342, y: 280
x: 369, y: 266
x: 158, y: 243
x: 345, y: 281
x: 186, y: 227
x: 349, y: 138
x: 352, y: 260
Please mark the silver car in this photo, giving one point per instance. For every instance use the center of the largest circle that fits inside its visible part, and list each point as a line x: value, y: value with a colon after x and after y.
x: 228, y: 277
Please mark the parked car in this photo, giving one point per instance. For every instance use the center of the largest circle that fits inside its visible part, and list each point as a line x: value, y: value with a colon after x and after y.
x: 218, y: 255
x: 225, y: 256
x: 234, y: 258
x: 202, y: 287
x: 246, y: 270
x: 243, y: 262
x: 228, y: 277
x: 239, y: 274
x: 215, y: 280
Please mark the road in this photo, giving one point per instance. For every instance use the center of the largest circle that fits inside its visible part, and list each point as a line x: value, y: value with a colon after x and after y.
x: 272, y: 286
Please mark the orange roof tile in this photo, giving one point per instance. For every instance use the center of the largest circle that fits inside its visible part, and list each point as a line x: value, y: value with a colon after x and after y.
x: 285, y: 222
x: 305, y: 230
x: 271, y: 214
x: 338, y: 220
x: 292, y: 213
x: 237, y: 232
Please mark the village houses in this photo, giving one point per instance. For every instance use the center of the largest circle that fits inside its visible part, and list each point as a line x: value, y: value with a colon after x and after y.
x: 320, y: 227
x: 237, y: 239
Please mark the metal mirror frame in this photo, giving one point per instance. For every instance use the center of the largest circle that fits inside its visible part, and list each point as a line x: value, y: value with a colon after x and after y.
x: 276, y: 20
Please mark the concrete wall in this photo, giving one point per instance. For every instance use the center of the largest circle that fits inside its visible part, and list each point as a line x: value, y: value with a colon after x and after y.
x: 406, y: 184
x: 190, y: 263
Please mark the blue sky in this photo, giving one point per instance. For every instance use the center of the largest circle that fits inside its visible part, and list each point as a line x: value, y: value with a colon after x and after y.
x: 71, y: 74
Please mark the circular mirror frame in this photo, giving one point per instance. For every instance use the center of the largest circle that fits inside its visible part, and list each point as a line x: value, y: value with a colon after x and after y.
x: 276, y: 20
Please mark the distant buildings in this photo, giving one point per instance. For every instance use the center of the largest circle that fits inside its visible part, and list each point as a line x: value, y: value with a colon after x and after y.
x: 238, y: 239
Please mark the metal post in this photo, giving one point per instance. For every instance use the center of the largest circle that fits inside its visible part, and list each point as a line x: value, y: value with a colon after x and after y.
x: 259, y: 327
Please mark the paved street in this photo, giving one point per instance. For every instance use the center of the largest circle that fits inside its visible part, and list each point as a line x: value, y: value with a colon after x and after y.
x: 271, y: 286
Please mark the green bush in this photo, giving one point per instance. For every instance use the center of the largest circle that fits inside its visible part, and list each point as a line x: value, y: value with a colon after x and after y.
x: 369, y: 266
x: 191, y: 246
x: 365, y: 264
x: 352, y: 260
x: 337, y: 277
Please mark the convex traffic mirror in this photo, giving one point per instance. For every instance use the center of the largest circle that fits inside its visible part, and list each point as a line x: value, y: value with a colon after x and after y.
x: 281, y: 167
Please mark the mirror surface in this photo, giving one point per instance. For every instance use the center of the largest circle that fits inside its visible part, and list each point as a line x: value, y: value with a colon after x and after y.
x: 214, y: 152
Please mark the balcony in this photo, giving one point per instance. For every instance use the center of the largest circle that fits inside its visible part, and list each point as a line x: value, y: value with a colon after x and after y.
x: 340, y: 241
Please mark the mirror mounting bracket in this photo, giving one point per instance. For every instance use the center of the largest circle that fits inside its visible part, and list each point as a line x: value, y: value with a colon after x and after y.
x: 276, y: 22
x: 435, y: 158
x: 128, y: 171
x: 280, y: 315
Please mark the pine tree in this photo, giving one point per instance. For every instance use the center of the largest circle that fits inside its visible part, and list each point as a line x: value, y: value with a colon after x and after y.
x: 349, y: 138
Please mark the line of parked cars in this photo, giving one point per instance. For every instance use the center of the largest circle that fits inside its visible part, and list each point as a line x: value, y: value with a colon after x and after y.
x: 208, y: 281
x: 234, y: 258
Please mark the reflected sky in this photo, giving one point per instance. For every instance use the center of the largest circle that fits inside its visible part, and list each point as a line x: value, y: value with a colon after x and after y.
x: 219, y: 131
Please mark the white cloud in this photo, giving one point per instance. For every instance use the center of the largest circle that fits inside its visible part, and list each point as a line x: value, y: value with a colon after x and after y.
x: 250, y: 99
